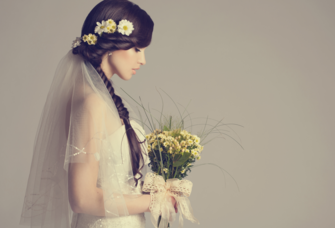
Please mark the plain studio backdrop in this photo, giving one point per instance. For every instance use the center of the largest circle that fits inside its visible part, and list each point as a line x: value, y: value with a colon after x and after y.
x: 265, y: 65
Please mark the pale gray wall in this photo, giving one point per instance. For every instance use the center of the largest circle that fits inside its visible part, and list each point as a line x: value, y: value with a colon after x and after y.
x: 267, y: 65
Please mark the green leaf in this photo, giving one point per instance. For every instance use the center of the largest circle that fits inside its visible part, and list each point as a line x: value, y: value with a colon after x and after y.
x: 176, y: 157
x: 182, y: 160
x: 166, y: 128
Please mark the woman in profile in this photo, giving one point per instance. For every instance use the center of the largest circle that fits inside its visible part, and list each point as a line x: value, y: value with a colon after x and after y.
x: 89, y: 150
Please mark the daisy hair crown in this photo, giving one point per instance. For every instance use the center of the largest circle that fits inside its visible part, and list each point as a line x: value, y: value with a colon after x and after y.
x: 124, y: 27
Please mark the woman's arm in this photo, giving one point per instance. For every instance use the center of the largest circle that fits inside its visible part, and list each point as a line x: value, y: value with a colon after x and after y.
x: 86, y: 198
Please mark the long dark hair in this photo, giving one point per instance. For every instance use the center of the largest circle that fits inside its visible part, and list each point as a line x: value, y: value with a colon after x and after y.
x: 107, y: 42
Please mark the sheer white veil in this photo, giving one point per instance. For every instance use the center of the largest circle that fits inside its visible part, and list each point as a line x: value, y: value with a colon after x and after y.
x: 76, y: 124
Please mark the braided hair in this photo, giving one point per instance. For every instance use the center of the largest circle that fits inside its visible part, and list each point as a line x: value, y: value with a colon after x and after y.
x: 107, y: 42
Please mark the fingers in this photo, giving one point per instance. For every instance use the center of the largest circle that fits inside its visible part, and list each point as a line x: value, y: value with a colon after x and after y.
x: 174, y: 203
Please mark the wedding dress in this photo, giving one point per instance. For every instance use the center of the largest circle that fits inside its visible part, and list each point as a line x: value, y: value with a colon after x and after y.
x: 80, y: 122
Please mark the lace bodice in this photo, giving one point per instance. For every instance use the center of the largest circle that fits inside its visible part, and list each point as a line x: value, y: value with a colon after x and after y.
x: 131, y: 221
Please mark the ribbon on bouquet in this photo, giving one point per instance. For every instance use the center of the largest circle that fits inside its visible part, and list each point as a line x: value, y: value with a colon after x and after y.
x: 160, y: 192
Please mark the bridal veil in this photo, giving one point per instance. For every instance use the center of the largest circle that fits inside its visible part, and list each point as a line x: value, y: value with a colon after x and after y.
x: 78, y: 118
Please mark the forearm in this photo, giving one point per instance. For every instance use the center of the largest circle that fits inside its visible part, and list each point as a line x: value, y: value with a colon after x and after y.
x: 94, y: 204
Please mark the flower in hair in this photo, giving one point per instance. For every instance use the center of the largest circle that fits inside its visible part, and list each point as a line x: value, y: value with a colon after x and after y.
x: 125, y: 27
x: 101, y: 27
x: 111, y: 26
x: 91, y: 39
x: 76, y: 42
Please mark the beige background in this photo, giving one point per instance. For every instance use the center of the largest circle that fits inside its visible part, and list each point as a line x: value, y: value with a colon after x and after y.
x: 266, y: 65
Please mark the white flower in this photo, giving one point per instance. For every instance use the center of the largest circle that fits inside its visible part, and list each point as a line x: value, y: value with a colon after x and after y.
x: 76, y: 42
x: 101, y: 27
x: 125, y: 27
x: 165, y: 170
x: 196, y: 139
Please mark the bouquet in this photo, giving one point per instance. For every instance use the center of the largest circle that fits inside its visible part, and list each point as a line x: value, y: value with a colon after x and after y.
x: 172, y: 151
x: 171, y: 154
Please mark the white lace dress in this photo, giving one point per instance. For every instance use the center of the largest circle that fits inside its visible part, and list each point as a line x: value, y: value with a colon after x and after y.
x: 131, y: 221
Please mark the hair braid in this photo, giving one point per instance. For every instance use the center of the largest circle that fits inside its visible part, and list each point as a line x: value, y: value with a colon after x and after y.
x: 134, y: 143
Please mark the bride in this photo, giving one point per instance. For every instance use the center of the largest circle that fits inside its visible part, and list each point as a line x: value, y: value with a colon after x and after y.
x: 89, y: 152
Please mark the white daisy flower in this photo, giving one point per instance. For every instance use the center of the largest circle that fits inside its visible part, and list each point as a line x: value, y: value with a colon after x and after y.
x: 76, y: 42
x: 101, y: 27
x: 125, y: 27
x: 196, y: 139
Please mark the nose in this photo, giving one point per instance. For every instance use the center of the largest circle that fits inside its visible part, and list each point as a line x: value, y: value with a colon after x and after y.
x: 142, y: 59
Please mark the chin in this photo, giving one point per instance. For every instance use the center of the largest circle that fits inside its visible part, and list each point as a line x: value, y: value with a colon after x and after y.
x: 125, y: 77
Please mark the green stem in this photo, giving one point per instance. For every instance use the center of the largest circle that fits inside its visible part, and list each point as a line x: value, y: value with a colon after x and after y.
x: 175, y: 173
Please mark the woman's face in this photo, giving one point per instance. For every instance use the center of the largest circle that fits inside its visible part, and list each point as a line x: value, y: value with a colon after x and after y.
x: 124, y: 63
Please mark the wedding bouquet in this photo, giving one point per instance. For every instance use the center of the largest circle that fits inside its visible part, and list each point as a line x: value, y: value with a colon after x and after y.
x: 172, y: 151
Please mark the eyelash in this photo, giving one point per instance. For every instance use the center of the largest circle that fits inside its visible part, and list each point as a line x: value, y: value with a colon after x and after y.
x: 137, y: 50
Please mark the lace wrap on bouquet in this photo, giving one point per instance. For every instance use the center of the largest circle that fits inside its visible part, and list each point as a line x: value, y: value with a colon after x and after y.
x: 160, y: 192
x: 78, y: 118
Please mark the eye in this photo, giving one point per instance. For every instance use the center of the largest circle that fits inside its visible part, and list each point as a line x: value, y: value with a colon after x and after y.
x: 137, y: 50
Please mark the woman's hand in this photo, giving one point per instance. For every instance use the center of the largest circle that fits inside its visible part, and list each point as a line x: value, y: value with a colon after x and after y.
x: 174, y: 203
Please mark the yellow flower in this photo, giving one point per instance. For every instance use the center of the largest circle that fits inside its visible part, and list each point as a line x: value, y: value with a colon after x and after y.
x: 85, y: 38
x: 111, y: 26
x: 199, y: 157
x: 92, y: 37
x: 162, y: 136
